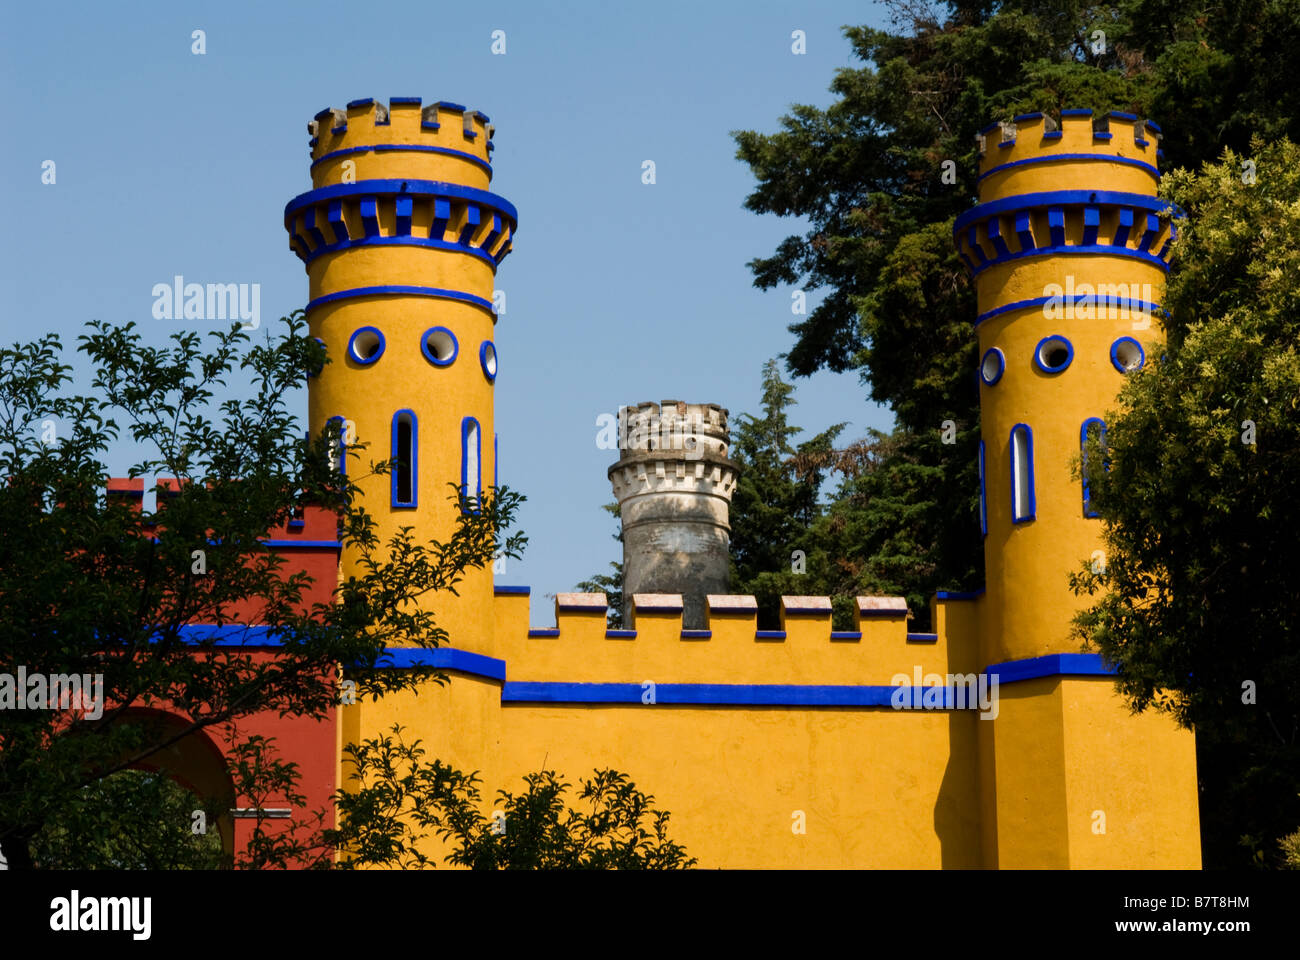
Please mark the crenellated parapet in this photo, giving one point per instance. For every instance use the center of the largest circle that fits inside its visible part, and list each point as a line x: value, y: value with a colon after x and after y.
x: 440, y: 136
x: 728, y: 648
x: 1083, y: 186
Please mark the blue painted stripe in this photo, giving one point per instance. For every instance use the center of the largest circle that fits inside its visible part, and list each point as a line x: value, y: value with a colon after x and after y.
x: 922, y: 638
x: 403, y: 291
x: 446, y: 658
x: 1078, y: 249
x: 500, y: 589
x: 846, y: 635
x: 548, y: 632
x: 620, y: 634
x: 406, y: 148
x: 733, y: 694
x: 769, y: 634
x: 1052, y: 665
x: 328, y: 544
x: 697, y: 634
x: 1082, y: 299
x: 959, y: 595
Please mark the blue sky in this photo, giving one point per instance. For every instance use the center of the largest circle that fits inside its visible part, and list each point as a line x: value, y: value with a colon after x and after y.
x: 617, y: 292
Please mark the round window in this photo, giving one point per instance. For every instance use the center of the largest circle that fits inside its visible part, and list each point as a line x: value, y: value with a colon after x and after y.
x: 992, y: 365
x: 487, y: 356
x: 1053, y: 354
x: 1127, y: 355
x: 366, y: 345
x: 439, y: 346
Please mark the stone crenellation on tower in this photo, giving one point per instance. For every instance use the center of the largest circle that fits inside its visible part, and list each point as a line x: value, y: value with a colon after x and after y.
x: 673, y: 483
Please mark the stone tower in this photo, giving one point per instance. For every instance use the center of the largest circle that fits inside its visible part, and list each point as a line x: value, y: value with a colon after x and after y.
x: 673, y: 482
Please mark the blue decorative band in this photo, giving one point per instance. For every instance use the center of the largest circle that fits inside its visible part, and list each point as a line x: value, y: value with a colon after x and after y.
x: 280, y: 544
x: 620, y: 634
x: 551, y: 632
x: 922, y: 638
x: 1083, y: 299
x: 959, y: 595
x: 1127, y: 161
x: 403, y: 291
x: 1052, y: 665
x: 846, y: 635
x: 697, y: 634
x: 406, y: 148
x: 1059, y: 198
x: 416, y: 188
x: 500, y: 589
x: 446, y: 658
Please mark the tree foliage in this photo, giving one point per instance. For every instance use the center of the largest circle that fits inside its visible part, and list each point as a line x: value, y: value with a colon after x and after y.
x: 91, y: 586
x: 398, y: 802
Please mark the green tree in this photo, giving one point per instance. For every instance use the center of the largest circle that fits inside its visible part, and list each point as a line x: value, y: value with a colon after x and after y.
x: 610, y: 584
x: 398, y: 801
x: 90, y: 586
x: 775, y: 502
x: 1201, y: 504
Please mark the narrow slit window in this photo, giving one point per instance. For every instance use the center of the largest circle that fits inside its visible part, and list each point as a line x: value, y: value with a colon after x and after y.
x: 338, y: 450
x: 406, y: 454
x: 1022, y: 473
x: 984, y: 504
x: 471, y: 464
x: 1092, y: 432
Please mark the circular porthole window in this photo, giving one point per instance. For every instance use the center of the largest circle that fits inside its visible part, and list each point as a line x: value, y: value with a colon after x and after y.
x: 487, y: 356
x: 366, y: 345
x: 1127, y: 355
x: 992, y: 365
x: 1053, y: 354
x: 439, y: 346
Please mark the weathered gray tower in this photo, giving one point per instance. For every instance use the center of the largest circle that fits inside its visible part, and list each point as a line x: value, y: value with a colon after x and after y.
x: 673, y: 483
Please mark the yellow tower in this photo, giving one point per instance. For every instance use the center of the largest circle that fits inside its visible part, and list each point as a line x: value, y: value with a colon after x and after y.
x: 1069, y: 247
x: 401, y: 239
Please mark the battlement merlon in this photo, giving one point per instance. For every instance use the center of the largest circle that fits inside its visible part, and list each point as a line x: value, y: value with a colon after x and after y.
x: 436, y: 141
x: 673, y: 424
x: 1033, y: 152
x: 728, y: 649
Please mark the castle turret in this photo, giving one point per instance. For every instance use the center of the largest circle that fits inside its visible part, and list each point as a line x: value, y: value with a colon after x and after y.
x: 401, y: 239
x: 1069, y: 247
x: 673, y: 483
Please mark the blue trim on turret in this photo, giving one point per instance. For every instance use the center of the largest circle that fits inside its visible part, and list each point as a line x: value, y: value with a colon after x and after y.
x: 413, y: 467
x: 405, y: 148
x: 1082, y: 299
x: 1031, y: 501
x: 1083, y: 457
x: 1061, y: 198
x: 391, y: 187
